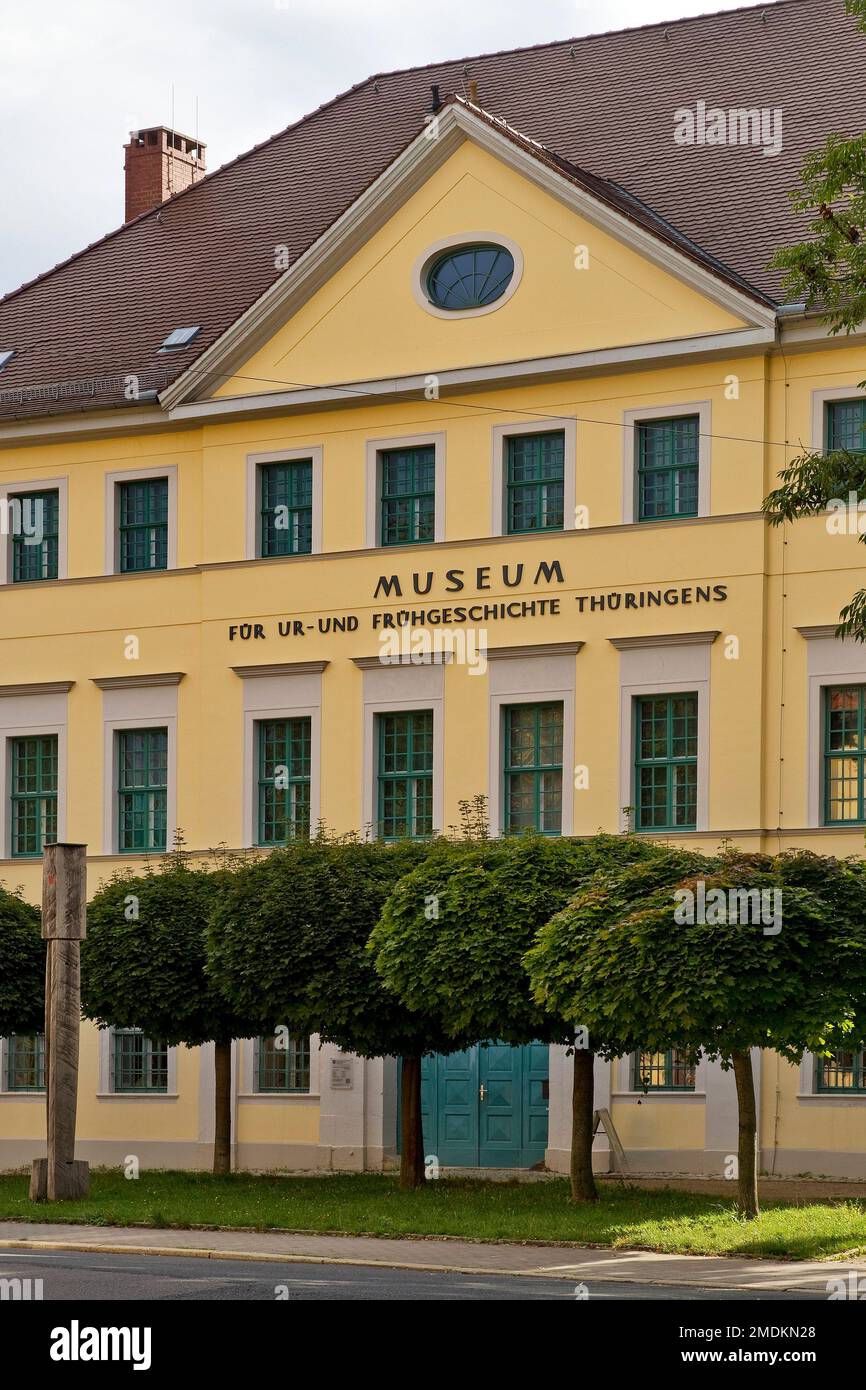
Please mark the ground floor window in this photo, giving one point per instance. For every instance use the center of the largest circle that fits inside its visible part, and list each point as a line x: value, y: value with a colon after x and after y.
x: 284, y: 1062
x: 142, y: 789
x: 33, y: 794
x: 405, y: 774
x: 666, y: 762
x: 841, y: 1071
x: 532, y: 768
x: 25, y: 1062
x: 663, y: 1071
x: 284, y: 756
x: 140, y: 1063
x: 844, y: 754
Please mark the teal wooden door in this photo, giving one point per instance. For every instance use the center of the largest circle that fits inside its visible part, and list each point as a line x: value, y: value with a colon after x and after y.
x: 486, y: 1107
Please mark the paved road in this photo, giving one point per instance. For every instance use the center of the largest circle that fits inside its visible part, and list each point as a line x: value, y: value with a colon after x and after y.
x: 72, y: 1276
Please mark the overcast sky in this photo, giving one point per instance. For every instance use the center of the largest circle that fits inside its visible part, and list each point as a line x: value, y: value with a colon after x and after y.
x: 77, y: 75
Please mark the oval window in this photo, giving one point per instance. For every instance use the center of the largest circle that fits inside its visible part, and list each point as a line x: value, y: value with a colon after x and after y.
x: 469, y: 277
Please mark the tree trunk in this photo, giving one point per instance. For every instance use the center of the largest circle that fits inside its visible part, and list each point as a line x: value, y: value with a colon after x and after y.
x: 222, y: 1134
x: 412, y: 1138
x: 747, y: 1168
x: 582, y: 1182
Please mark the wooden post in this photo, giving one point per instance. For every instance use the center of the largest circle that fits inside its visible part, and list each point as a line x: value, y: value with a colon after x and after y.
x: 64, y: 895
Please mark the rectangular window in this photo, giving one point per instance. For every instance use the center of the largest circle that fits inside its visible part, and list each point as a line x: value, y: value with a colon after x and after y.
x: 668, y: 454
x: 286, y: 508
x: 407, y: 495
x: 844, y: 754
x: 841, y: 1071
x: 284, y: 1063
x: 663, y: 1071
x: 140, y: 1064
x: 284, y: 752
x: 142, y: 789
x: 142, y: 525
x: 535, y: 484
x: 846, y: 425
x: 33, y: 782
x: 36, y: 538
x: 26, y: 1062
x: 666, y: 762
x: 532, y: 768
x: 405, y: 782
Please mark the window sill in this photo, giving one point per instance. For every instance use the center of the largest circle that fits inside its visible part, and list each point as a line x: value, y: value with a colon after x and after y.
x: 138, y: 1095
x: 279, y: 1095
x: 23, y: 1095
x: 679, y: 1096
x: 832, y: 1097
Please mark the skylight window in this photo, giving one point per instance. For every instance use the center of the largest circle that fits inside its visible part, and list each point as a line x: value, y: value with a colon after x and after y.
x: 6, y: 357
x: 179, y: 338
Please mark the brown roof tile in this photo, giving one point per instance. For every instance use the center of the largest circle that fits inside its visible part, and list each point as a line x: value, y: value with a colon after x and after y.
x: 604, y: 104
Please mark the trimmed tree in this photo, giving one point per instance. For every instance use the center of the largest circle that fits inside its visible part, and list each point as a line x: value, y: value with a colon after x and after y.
x: 674, y: 964
x: 288, y: 943
x: 143, y: 966
x: 22, y: 967
x: 454, y: 932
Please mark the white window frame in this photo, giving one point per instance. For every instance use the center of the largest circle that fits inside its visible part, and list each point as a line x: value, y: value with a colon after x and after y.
x: 112, y: 517
x: 373, y: 486
x: 630, y: 420
x: 255, y: 462
x: 500, y: 435
x: 5, y: 1089
x: 829, y: 662
x: 61, y: 487
x: 531, y: 676
x: 820, y: 400
x: 401, y: 689
x: 31, y: 731
x: 249, y: 1075
x: 106, y: 1072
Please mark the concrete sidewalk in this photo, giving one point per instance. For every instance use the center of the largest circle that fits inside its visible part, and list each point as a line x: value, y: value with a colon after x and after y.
x: 458, y: 1256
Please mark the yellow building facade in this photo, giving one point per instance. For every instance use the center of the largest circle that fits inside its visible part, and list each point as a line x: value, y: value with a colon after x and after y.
x: 524, y: 534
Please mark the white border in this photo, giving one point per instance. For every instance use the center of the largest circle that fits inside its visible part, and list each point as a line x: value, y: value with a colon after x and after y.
x: 403, y: 441
x: 61, y: 486
x: 254, y: 493
x: 422, y: 266
x: 499, y: 436
x: 630, y: 418
x: 112, y: 535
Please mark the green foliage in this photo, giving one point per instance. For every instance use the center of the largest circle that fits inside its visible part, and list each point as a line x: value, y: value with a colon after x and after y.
x: 452, y: 936
x: 143, y: 960
x: 618, y: 961
x: 288, y: 940
x: 22, y: 967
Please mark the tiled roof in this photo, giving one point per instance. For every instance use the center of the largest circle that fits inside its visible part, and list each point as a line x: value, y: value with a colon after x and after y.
x: 604, y: 104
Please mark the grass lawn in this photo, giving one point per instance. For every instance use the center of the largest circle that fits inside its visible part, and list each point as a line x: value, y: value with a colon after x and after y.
x: 369, y: 1204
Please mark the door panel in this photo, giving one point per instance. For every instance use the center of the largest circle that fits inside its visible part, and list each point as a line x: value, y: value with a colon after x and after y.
x: 486, y: 1107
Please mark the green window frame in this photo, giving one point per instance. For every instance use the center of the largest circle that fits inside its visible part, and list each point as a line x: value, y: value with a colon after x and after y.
x: 284, y: 761
x: 668, y: 467
x: 844, y: 755
x: 845, y: 425
x: 535, y: 482
x: 662, y: 1071
x: 25, y: 1062
x: 407, y: 495
x: 140, y: 1063
x: 283, y: 1070
x: 844, y: 1070
x: 142, y: 525
x: 142, y: 790
x: 532, y: 767
x: 666, y: 762
x: 34, y: 560
x: 404, y: 744
x: 33, y: 794
x: 286, y: 508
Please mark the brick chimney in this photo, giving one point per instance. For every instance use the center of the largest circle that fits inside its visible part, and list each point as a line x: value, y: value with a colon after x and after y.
x: 158, y: 163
